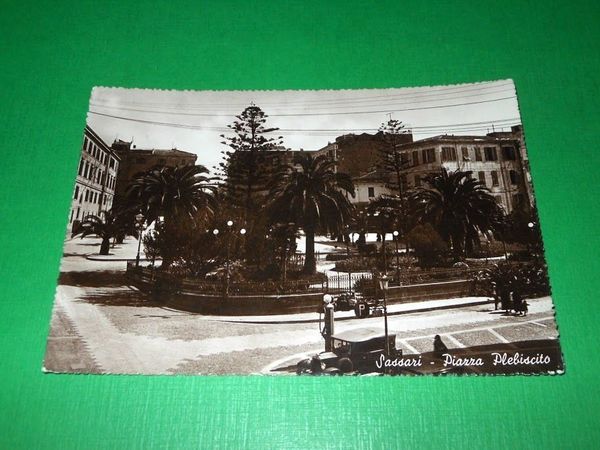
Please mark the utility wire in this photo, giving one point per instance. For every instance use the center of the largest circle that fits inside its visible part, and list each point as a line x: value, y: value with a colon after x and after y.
x: 342, y: 102
x: 383, y: 103
x: 328, y: 132
x: 427, y: 91
x: 330, y: 113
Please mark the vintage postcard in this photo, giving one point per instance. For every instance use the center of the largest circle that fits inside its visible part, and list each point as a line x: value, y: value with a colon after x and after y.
x: 338, y: 232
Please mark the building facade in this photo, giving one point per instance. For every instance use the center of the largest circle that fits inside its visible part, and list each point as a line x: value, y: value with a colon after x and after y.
x: 96, y: 178
x: 134, y: 161
x: 358, y: 154
x: 498, y: 160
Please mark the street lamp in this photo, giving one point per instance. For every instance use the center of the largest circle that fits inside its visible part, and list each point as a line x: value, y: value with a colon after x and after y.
x: 383, y: 285
x: 328, y: 325
x: 139, y: 223
x: 347, y: 240
x: 228, y: 249
x: 396, y: 234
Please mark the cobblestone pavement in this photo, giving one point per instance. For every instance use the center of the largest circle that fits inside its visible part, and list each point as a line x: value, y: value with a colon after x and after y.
x: 102, y: 325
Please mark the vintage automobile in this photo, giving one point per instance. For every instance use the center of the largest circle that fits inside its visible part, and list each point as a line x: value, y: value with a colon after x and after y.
x: 345, y: 301
x: 352, y: 351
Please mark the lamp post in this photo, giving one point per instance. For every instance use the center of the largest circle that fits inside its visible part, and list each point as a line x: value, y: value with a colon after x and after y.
x: 328, y: 326
x: 383, y: 285
x: 228, y: 248
x: 396, y: 234
x: 139, y: 221
x: 531, y: 247
x: 347, y: 239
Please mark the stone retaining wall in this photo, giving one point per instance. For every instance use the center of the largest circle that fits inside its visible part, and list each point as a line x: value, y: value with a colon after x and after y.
x: 187, y: 299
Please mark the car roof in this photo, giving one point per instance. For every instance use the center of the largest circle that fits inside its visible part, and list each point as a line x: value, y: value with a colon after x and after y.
x: 361, y: 334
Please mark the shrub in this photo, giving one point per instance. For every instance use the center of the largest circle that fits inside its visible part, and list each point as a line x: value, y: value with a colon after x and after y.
x: 427, y: 244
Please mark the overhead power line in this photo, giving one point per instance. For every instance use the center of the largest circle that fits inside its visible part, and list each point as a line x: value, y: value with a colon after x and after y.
x: 430, y: 92
x: 336, y: 113
x: 332, y: 109
x: 331, y: 132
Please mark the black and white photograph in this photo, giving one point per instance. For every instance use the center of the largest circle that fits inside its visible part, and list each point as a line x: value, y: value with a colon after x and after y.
x: 363, y: 232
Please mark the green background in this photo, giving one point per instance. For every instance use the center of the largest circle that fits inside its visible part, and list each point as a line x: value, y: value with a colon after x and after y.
x: 54, y: 53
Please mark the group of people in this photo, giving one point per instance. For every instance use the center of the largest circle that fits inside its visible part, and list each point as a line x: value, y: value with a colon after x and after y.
x: 510, y: 301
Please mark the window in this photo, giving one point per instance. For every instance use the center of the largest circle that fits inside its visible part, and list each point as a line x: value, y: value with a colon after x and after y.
x: 76, y: 194
x: 465, y: 154
x: 80, y: 170
x: 87, y: 195
x: 415, y: 158
x: 509, y: 154
x: 481, y: 176
x: 448, y: 154
x: 371, y: 192
x: 514, y: 177
x: 494, y: 175
x: 417, y: 181
x: 86, y: 170
x: 490, y: 154
x: 477, y: 154
x: 428, y: 155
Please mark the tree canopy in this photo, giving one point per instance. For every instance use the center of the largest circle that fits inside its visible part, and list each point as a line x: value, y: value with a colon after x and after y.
x: 458, y: 206
x: 314, y: 197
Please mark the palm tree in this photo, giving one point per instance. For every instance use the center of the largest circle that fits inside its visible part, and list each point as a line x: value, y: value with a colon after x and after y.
x: 459, y: 208
x: 106, y: 226
x: 175, y: 194
x: 386, y: 212
x: 313, y: 196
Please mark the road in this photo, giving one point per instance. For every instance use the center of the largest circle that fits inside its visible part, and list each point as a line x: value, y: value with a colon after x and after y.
x: 102, y: 325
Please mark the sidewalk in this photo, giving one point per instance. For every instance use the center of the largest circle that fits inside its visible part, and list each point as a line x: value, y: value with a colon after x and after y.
x: 396, y: 309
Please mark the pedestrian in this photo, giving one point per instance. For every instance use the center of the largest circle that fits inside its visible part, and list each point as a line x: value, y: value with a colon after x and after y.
x: 505, y: 300
x: 518, y: 302
x: 495, y: 296
x: 316, y: 366
x: 439, y: 348
x: 525, y: 308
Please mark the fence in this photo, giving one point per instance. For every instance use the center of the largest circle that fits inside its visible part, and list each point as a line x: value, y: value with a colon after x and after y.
x: 345, y: 282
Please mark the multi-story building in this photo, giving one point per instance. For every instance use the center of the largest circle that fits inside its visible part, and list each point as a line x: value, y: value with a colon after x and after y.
x: 96, y: 178
x: 498, y: 160
x: 135, y: 161
x: 357, y: 154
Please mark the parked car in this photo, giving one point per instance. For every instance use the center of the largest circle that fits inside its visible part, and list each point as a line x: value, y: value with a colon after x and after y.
x: 344, y: 302
x: 352, y: 351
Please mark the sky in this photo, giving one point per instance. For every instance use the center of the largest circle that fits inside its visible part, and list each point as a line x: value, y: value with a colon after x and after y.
x: 194, y: 120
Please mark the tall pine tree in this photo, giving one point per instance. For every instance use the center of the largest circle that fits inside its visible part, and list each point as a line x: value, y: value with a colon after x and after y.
x: 247, y: 167
x: 392, y: 162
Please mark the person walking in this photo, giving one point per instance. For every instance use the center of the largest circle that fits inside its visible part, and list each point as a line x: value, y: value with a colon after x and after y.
x: 505, y: 300
x: 517, y: 302
x: 525, y: 308
x: 495, y: 296
x: 439, y: 348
